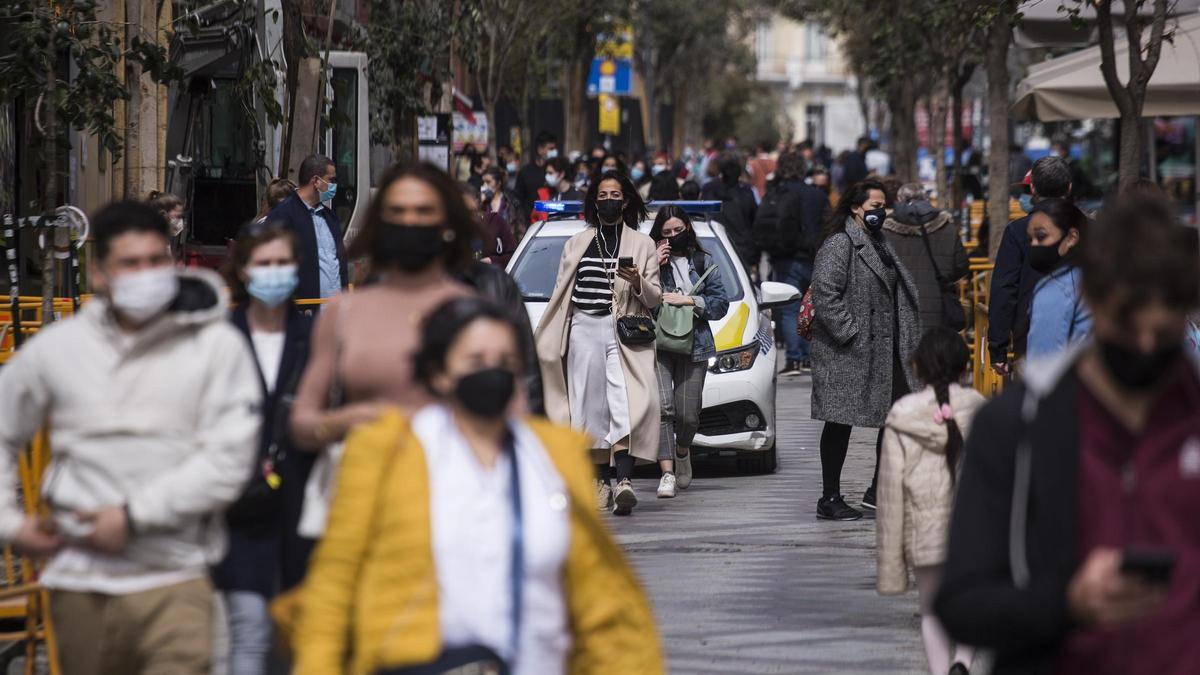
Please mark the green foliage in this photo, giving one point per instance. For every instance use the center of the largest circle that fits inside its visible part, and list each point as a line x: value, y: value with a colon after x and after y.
x: 408, y: 44
x: 85, y: 100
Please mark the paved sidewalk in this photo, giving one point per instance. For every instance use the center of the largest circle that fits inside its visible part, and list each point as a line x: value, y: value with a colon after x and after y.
x: 745, y: 579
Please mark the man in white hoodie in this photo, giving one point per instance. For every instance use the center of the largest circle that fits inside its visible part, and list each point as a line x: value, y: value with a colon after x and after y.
x: 152, y: 401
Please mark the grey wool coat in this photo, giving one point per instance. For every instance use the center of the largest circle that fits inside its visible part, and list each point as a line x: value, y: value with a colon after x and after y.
x: 854, y: 328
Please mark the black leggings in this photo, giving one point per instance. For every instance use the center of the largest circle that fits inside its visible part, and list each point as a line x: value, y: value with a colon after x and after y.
x: 835, y: 441
x: 624, y: 462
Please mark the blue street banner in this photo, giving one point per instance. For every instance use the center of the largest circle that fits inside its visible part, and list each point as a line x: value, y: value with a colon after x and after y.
x: 610, y: 76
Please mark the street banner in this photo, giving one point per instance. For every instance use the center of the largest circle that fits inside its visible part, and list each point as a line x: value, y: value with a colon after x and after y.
x: 610, y: 114
x: 470, y: 132
x: 433, y: 139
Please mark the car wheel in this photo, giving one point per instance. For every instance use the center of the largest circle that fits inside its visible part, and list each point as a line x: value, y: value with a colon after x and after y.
x: 764, y: 461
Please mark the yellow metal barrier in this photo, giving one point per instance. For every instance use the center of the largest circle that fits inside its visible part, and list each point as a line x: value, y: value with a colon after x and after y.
x: 21, y: 596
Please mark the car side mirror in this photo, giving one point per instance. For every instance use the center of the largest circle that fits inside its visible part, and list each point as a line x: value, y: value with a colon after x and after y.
x: 773, y: 294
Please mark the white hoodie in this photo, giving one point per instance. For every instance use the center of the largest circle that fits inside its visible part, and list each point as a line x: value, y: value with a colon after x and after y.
x: 165, y: 420
x: 915, y: 491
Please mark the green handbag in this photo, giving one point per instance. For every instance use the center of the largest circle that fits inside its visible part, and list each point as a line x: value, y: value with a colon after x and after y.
x: 674, y: 330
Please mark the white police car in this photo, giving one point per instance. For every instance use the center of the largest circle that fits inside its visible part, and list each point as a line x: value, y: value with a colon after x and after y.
x: 738, y: 414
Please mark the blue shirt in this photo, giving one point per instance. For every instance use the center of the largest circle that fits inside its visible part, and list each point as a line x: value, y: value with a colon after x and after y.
x: 1059, y: 315
x: 327, y: 259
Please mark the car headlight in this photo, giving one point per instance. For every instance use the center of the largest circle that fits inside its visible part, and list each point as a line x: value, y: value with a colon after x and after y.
x: 734, y: 360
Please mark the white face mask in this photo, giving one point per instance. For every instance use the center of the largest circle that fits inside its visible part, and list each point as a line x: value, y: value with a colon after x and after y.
x: 176, y: 226
x: 142, y: 295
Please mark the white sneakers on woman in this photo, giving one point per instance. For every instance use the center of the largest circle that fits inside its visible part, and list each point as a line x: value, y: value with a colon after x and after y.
x: 604, y: 495
x: 624, y: 498
x: 666, y: 486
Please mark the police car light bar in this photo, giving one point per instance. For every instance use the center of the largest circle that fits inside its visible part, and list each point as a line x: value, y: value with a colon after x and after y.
x: 572, y: 208
x: 697, y: 206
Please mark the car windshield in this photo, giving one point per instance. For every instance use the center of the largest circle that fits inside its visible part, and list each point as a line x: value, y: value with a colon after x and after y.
x: 537, y: 267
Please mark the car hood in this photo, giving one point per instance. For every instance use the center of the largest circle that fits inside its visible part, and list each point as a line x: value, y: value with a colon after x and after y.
x: 737, y: 328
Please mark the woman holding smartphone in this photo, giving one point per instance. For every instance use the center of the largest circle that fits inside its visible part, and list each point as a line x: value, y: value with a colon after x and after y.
x: 593, y: 378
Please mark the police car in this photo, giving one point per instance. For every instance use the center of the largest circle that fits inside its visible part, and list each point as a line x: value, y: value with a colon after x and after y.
x: 738, y: 413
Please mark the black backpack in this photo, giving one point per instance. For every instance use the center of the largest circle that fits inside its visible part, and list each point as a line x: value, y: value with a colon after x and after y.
x: 776, y: 225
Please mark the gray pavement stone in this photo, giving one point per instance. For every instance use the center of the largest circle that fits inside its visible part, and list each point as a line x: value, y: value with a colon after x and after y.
x: 745, y: 579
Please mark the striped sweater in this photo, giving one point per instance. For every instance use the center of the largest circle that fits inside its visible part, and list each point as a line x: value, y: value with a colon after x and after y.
x: 596, y: 273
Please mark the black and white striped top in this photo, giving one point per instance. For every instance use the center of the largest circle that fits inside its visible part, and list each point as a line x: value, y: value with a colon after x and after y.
x: 597, y: 270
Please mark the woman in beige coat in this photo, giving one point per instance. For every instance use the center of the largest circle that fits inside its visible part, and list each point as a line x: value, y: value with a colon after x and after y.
x: 591, y: 379
x: 922, y: 444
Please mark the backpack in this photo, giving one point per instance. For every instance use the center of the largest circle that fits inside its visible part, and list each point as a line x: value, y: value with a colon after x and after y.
x: 776, y: 229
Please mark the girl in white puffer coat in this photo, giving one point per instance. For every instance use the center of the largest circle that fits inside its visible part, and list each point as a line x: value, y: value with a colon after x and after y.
x: 922, y: 447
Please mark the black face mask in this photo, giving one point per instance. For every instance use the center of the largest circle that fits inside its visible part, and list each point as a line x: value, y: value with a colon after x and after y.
x: 412, y: 248
x: 873, y: 219
x: 1043, y: 259
x: 610, y: 210
x: 486, y: 393
x: 680, y: 243
x: 1135, y: 369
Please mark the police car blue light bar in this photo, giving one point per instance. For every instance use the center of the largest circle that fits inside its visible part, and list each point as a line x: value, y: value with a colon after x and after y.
x: 574, y: 208
x: 694, y: 206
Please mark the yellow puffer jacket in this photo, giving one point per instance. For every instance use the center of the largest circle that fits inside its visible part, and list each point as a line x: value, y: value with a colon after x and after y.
x: 370, y: 599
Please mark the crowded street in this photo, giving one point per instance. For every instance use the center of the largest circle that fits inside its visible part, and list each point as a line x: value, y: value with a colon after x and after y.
x: 625, y: 337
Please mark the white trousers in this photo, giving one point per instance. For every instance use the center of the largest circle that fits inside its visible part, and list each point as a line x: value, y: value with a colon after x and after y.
x: 596, y: 380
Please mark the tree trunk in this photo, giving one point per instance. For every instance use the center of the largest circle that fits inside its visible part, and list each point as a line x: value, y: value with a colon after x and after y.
x: 1129, y: 161
x: 937, y: 145
x: 404, y: 130
x: 489, y: 108
x: 50, y: 194
x: 133, y: 115
x: 651, y: 106
x: 575, y: 106
x: 956, y: 111
x: 904, y: 132
x: 679, y: 117
x: 293, y: 52
x: 998, y: 36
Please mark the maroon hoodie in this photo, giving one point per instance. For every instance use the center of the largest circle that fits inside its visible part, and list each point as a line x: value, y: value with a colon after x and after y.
x: 1142, y: 490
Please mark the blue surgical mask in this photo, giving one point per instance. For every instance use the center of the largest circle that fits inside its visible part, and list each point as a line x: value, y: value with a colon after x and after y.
x: 636, y: 173
x: 657, y: 169
x: 511, y: 167
x: 1026, y: 201
x: 551, y: 154
x: 551, y: 179
x: 329, y: 192
x: 272, y: 285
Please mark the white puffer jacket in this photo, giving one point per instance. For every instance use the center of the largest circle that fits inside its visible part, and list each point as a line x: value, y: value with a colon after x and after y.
x: 165, y: 421
x: 915, y: 491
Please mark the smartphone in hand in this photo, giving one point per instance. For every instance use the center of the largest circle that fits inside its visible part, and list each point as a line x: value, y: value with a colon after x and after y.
x: 1153, y: 566
x: 625, y: 262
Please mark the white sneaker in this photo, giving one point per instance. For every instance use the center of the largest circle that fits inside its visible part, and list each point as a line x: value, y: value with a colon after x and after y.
x: 683, y: 471
x: 624, y: 498
x: 666, y: 486
x: 604, y: 495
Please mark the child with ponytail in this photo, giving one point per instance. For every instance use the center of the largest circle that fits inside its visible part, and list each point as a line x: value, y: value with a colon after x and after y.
x: 922, y: 451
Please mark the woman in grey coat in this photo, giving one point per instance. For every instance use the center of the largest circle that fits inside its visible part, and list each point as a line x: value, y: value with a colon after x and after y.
x: 865, y: 330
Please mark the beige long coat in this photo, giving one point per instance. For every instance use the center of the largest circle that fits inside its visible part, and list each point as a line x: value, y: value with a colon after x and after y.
x: 638, y: 362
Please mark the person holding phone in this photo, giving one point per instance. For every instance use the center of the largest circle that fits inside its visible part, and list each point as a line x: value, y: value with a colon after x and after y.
x: 1073, y: 546
x: 593, y: 378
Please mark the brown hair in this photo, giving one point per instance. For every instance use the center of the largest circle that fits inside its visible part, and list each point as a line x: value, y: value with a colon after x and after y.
x: 1137, y: 253
x: 163, y: 202
x: 460, y: 221
x: 277, y: 191
x: 254, y: 234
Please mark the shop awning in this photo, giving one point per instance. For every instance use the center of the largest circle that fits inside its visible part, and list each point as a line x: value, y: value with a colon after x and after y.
x: 1071, y: 87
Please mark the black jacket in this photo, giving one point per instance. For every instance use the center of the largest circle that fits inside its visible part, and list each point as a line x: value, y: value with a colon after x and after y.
x: 986, y: 598
x: 1011, y: 292
x: 295, y: 216
x: 496, y: 285
x: 738, y: 208
x: 855, y: 169
x: 797, y: 234
x: 529, y: 179
x: 264, y: 543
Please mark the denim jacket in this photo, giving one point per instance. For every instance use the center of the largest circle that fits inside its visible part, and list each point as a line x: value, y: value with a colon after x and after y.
x: 1058, y: 316
x: 711, y: 302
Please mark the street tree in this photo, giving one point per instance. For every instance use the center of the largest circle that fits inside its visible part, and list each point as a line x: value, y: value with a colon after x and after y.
x: 1145, y: 32
x: 572, y: 43
x: 39, y: 35
x: 998, y: 20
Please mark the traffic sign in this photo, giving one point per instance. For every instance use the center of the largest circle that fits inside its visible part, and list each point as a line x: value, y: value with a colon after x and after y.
x: 610, y: 76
